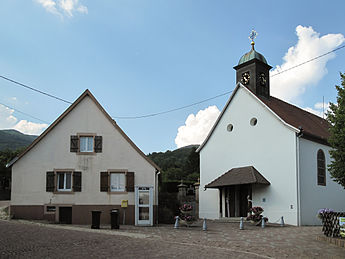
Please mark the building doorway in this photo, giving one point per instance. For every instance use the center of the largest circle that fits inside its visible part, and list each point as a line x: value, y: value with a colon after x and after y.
x: 235, y: 200
x: 144, y: 205
x: 65, y: 215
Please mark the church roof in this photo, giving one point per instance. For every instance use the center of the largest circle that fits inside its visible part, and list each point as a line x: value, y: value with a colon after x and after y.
x: 313, y: 127
x: 238, y: 176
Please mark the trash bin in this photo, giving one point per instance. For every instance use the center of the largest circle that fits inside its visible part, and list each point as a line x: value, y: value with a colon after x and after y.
x: 96, y: 219
x: 115, y: 219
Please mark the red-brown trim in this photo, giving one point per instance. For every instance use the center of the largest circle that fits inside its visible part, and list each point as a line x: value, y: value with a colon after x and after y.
x: 81, y: 214
x: 86, y: 135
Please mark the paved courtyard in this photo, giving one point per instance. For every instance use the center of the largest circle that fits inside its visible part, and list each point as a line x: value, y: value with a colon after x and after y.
x: 24, y: 239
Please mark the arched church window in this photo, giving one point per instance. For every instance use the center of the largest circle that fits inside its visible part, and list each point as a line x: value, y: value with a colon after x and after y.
x: 321, y: 168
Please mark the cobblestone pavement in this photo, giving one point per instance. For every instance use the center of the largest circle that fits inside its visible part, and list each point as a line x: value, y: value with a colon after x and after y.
x: 24, y: 239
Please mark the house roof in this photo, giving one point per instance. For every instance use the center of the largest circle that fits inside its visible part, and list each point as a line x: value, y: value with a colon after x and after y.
x: 65, y: 113
x: 238, y: 176
x: 309, y: 126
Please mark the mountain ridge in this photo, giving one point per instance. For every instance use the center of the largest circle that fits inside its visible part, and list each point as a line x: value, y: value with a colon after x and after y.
x: 12, y: 139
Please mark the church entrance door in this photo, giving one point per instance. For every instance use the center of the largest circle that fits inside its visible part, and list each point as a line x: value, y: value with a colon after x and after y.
x: 236, y: 200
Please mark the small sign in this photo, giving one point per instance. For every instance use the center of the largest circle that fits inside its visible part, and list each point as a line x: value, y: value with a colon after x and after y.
x: 124, y: 203
x: 342, y: 226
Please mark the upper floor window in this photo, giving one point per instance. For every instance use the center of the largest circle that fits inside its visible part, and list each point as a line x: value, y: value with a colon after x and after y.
x: 321, y: 168
x: 86, y: 144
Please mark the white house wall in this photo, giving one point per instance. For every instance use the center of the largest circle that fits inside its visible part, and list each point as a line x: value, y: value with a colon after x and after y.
x: 53, y: 152
x: 270, y: 147
x: 314, y: 196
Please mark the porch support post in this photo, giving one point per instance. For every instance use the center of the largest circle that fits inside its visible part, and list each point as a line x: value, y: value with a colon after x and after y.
x: 237, y: 201
x: 223, y: 202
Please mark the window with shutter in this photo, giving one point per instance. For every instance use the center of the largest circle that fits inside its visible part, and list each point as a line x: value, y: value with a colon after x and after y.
x: 104, y: 182
x: 98, y: 144
x: 77, y: 181
x: 321, y: 168
x: 63, y: 181
x: 130, y: 182
x: 74, y: 147
x: 50, y: 182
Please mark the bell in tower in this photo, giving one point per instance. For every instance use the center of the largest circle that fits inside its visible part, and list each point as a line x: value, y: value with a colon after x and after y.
x: 252, y: 71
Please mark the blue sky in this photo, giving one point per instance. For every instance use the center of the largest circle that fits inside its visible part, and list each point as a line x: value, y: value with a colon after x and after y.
x: 143, y: 57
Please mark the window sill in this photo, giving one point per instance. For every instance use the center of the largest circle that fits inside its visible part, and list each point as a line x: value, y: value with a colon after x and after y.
x: 86, y: 153
x: 117, y: 192
x: 63, y: 192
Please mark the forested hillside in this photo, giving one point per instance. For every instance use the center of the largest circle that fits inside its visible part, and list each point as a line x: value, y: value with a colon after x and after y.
x: 13, y: 139
x: 177, y: 165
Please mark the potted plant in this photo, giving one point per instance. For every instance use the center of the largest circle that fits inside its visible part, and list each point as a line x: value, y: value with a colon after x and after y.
x: 255, y: 215
x: 186, y: 214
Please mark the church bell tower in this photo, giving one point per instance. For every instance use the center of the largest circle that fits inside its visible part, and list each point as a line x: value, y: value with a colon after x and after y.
x: 252, y: 71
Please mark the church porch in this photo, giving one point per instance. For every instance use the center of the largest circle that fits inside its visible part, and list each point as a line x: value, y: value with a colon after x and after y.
x: 235, y: 190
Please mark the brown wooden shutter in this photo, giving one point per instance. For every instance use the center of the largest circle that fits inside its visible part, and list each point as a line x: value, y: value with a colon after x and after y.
x: 77, y: 181
x: 104, y: 182
x: 50, y: 182
x: 98, y: 144
x: 130, y: 182
x: 74, y: 144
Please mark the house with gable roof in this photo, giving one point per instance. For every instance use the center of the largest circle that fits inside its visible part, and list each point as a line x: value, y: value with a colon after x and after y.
x: 265, y: 152
x: 83, y: 162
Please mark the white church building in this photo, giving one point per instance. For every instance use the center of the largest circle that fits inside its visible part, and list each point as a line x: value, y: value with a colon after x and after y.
x: 268, y: 151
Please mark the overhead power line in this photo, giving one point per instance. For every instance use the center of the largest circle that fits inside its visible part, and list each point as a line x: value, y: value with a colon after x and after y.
x: 26, y: 114
x: 310, y: 60
x: 34, y: 89
x: 172, y: 110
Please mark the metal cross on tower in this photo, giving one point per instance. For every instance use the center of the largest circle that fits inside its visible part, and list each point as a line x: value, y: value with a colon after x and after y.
x: 253, y: 35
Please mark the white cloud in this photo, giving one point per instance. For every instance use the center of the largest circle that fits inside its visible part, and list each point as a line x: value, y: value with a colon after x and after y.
x: 196, y: 127
x: 8, y: 121
x: 320, y: 109
x: 291, y: 84
x: 63, y: 7
x: 31, y: 128
x: 49, y: 5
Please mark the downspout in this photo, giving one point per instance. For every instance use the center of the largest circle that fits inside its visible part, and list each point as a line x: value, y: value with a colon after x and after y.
x: 156, y: 192
x: 298, y: 135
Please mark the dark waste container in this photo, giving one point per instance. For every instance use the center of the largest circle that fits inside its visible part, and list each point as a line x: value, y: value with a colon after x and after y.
x: 115, y: 219
x: 96, y: 219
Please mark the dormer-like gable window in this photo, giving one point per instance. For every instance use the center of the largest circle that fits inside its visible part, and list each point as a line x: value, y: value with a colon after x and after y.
x: 86, y: 144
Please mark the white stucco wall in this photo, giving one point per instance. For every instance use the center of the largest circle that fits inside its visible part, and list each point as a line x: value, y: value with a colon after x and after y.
x: 53, y: 152
x: 270, y: 147
x: 313, y: 196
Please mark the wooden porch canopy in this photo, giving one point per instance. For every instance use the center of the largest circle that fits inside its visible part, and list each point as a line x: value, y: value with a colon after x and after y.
x: 237, y: 176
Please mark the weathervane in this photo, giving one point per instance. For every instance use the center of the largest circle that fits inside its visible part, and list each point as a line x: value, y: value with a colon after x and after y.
x: 252, y: 36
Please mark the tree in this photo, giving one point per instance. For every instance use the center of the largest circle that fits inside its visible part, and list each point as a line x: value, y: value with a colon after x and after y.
x: 336, y: 118
x: 5, y: 173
